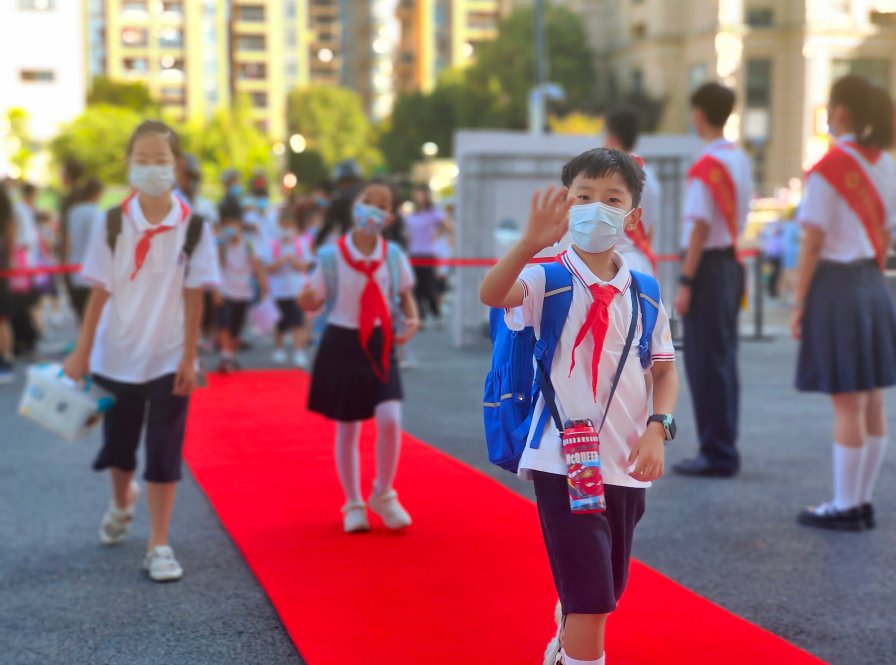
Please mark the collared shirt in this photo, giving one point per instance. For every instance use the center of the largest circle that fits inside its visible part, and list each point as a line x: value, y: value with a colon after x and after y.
x: 627, y: 418
x: 350, y: 283
x: 140, y: 336
x: 237, y: 270
x: 700, y: 204
x: 287, y: 282
x: 845, y: 239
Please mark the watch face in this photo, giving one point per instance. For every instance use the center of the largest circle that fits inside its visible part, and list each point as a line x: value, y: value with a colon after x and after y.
x: 671, y: 428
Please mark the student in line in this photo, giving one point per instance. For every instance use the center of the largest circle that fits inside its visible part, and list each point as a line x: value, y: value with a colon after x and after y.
x: 240, y: 265
x: 717, y: 201
x: 623, y: 129
x: 81, y: 218
x: 7, y: 252
x: 288, y: 263
x: 589, y: 553
x: 366, y: 284
x: 844, y: 315
x: 148, y: 262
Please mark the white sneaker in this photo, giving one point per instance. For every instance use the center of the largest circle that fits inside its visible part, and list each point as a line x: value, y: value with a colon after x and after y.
x: 161, y: 564
x: 300, y: 358
x: 354, y: 518
x: 116, y: 522
x: 279, y: 357
x: 387, y: 506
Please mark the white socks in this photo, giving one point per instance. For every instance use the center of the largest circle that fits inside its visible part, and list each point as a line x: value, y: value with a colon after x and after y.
x: 847, y: 462
x: 872, y: 459
x: 388, y: 444
x: 572, y: 661
x: 348, y: 461
x: 388, y: 447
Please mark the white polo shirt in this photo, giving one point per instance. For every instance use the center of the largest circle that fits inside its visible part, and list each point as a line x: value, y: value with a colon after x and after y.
x: 700, y: 204
x: 287, y: 282
x: 845, y: 239
x: 351, y: 282
x: 140, y: 336
x: 627, y: 419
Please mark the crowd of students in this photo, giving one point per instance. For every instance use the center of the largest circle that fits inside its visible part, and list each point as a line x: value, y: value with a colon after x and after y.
x: 342, y: 256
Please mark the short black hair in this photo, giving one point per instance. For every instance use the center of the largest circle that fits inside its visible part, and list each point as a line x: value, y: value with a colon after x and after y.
x: 604, y: 162
x: 28, y: 190
x: 229, y: 212
x: 625, y: 124
x: 716, y: 101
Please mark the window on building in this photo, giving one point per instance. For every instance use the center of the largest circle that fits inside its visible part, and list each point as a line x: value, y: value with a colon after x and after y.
x: 760, y: 17
x: 252, y: 71
x: 259, y: 99
x: 134, y: 37
x: 697, y: 75
x: 134, y: 7
x: 759, y: 83
x: 171, y: 38
x: 37, y: 75
x: 250, y: 43
x: 290, y: 38
x: 876, y: 71
x: 250, y: 14
x: 37, y: 5
x: 172, y: 95
x: 138, y: 65
x: 173, y: 8
x: 637, y: 81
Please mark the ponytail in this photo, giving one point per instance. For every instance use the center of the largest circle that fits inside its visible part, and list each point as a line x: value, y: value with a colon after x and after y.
x: 870, y: 109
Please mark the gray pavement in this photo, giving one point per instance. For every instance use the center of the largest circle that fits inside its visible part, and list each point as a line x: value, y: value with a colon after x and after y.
x: 68, y: 600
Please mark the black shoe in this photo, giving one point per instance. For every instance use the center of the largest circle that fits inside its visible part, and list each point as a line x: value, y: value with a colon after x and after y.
x: 868, y: 515
x: 701, y: 467
x: 825, y: 516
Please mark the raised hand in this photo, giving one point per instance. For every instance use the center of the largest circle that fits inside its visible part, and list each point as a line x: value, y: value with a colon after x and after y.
x: 548, y: 218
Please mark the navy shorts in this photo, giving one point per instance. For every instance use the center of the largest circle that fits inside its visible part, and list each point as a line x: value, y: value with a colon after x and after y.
x: 291, y: 315
x: 589, y: 553
x: 232, y: 316
x: 165, y: 417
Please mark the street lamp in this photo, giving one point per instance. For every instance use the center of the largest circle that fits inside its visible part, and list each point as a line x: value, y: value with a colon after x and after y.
x: 430, y: 149
x: 297, y: 143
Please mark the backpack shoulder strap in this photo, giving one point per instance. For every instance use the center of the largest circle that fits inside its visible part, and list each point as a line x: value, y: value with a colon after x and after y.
x: 113, y: 226
x: 194, y: 234
x: 649, y: 297
x: 394, y: 255
x: 326, y: 259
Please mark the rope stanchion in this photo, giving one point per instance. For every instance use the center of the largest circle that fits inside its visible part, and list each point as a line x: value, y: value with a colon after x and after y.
x: 458, y: 262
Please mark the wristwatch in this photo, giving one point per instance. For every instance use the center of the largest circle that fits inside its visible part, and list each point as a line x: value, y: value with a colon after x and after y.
x: 684, y: 280
x: 668, y: 424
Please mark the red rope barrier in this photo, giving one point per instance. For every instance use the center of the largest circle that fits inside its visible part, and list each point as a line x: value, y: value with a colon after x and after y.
x: 452, y: 263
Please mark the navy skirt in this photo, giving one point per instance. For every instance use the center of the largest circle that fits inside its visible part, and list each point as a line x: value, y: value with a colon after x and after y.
x: 343, y: 384
x: 849, y: 331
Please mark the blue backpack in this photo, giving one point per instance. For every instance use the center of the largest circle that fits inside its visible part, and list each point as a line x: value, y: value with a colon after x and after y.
x: 511, y: 389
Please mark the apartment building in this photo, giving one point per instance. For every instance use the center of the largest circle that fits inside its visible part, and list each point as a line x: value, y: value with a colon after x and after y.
x: 48, y: 82
x: 439, y: 34
x: 779, y: 55
x: 198, y: 55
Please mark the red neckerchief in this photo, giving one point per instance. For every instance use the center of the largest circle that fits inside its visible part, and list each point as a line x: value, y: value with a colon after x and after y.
x: 373, y: 307
x: 597, y: 321
x: 142, y: 248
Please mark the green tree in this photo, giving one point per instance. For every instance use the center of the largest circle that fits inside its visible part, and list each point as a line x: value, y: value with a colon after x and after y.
x: 333, y: 123
x: 99, y: 139
x: 20, y: 138
x: 508, y: 63
x: 128, y: 94
x: 229, y: 139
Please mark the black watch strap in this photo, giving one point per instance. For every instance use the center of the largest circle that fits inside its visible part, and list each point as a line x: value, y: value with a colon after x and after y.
x: 684, y: 280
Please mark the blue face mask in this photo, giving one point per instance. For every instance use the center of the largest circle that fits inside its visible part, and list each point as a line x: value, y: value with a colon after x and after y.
x: 596, y: 227
x: 369, y: 219
x: 235, y: 190
x: 228, y: 233
x: 322, y: 201
x: 261, y: 203
x: 152, y: 180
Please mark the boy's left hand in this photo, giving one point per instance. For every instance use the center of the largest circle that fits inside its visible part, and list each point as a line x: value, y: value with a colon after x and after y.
x: 185, y: 380
x: 650, y: 454
x: 410, y: 328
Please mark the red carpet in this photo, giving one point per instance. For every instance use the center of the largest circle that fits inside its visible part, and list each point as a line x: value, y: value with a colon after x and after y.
x: 468, y: 584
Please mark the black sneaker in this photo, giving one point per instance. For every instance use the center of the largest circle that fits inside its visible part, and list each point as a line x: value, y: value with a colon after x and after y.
x: 826, y: 516
x: 868, y: 515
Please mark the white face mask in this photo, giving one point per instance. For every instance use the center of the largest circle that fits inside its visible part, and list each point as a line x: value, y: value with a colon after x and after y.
x: 369, y: 219
x: 596, y: 227
x: 151, y: 179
